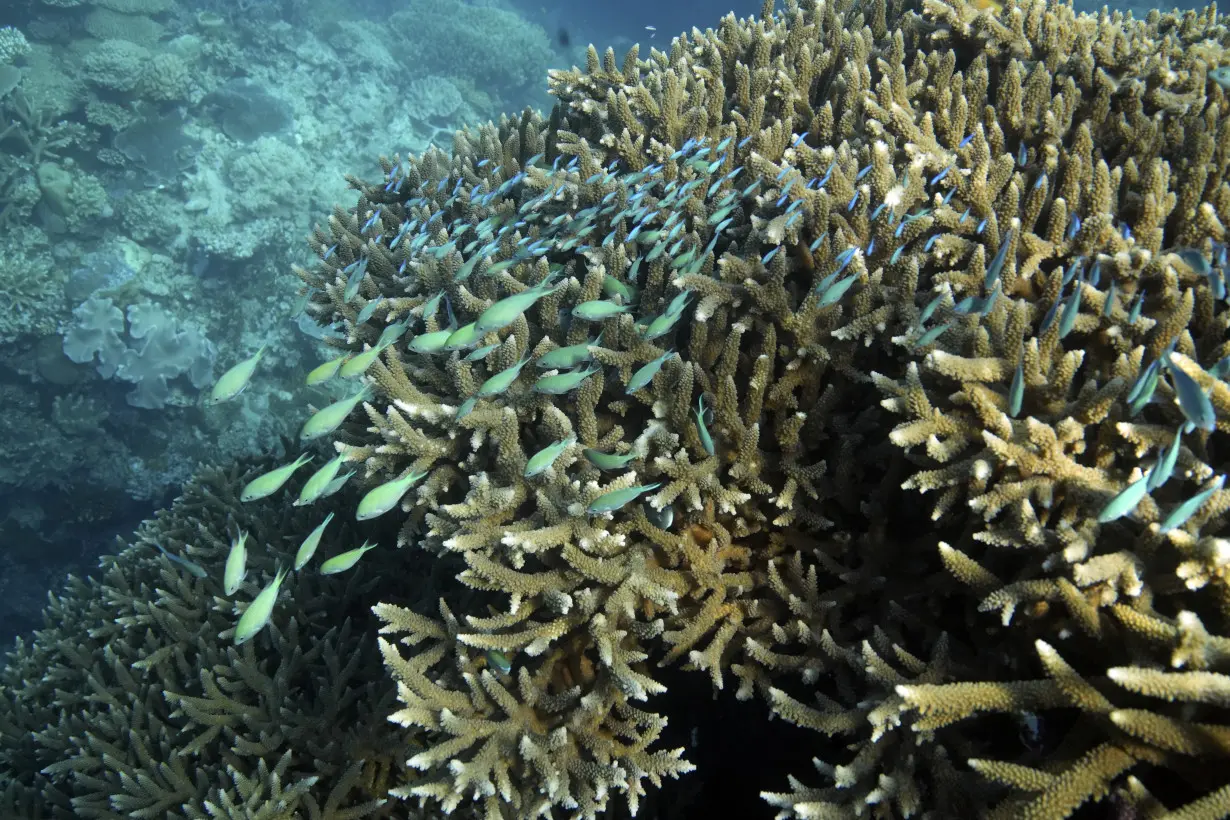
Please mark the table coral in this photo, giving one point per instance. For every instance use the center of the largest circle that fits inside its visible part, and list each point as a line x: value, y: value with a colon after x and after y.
x: 811, y: 194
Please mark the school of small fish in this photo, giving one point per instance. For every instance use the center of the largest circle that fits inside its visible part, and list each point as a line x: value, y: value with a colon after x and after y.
x: 686, y: 210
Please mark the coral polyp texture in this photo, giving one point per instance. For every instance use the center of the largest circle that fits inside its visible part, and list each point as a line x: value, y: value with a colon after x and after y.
x: 866, y: 362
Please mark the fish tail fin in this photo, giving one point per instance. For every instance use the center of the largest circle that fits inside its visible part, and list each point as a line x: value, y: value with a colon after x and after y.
x: 448, y: 307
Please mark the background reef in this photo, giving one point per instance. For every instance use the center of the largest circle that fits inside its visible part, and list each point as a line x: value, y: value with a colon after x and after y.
x: 860, y: 362
x: 159, y: 163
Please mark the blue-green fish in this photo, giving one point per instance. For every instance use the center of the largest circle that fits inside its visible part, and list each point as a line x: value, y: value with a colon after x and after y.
x: 392, y: 333
x: 1193, y: 401
x: 337, y: 483
x: 1194, y: 258
x: 500, y: 382
x: 191, y: 567
x: 1188, y: 508
x: 506, y: 311
x: 598, y: 310
x: 833, y: 293
x: 612, y: 501
x: 997, y: 264
x: 1071, y: 309
x: 272, y: 481
x: 706, y: 440
x: 1126, y: 500
x: 680, y: 303
x: 929, y: 309
x: 324, y: 372
x: 541, y: 461
x: 463, y: 337
x: 1016, y: 391
x: 561, y: 383
x: 432, y: 342
x: 466, y: 407
x: 1108, y: 304
x: 314, y: 487
x: 480, y: 353
x: 428, y: 308
x: 233, y: 381
x: 379, y: 500
x: 308, y: 548
x: 256, y: 616
x: 1165, y: 464
x: 566, y: 358
x: 613, y: 287
x: 932, y: 335
x: 467, y: 268
x: 662, y: 519
x: 498, y: 661
x: 236, y: 567
x: 1142, y: 389
x: 608, y: 461
x: 1135, y: 308
x: 329, y: 418
x: 343, y: 562
x: 355, y: 279
x: 357, y: 365
x: 369, y: 310
x: 660, y: 326
x: 644, y: 375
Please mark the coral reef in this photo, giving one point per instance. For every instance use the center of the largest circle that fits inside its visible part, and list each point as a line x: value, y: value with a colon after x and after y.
x: 157, y: 349
x: 893, y: 253
x: 492, y: 47
x: 13, y: 44
x: 132, y: 701
x: 868, y: 360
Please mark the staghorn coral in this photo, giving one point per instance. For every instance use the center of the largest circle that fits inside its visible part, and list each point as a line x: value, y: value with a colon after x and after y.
x: 962, y: 173
x: 132, y: 701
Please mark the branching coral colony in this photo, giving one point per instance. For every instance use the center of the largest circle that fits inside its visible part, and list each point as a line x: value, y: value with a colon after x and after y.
x: 687, y: 351
x: 867, y: 360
